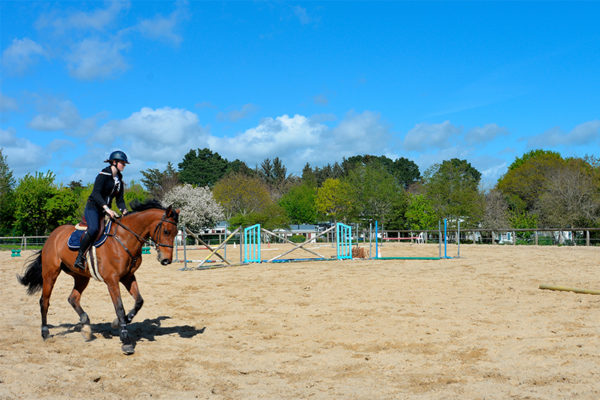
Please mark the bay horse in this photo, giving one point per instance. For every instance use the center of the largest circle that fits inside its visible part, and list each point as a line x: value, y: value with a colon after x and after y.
x: 117, y: 259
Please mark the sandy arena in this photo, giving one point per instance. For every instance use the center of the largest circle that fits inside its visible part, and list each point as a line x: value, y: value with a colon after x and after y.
x: 477, y: 327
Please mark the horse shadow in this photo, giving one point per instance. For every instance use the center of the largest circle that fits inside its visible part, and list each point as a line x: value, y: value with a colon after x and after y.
x: 147, y: 329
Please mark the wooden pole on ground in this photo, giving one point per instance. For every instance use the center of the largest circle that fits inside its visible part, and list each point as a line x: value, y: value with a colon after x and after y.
x: 567, y: 289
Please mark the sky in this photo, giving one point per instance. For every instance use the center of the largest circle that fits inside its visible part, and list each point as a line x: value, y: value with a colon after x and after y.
x: 308, y: 82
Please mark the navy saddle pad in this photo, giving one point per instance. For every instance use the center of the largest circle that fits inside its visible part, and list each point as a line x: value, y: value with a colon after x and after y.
x: 75, y: 238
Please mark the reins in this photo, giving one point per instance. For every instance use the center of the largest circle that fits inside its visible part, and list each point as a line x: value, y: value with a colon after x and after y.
x: 141, y: 239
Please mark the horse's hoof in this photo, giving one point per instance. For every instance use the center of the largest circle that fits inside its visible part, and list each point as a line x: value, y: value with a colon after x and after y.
x: 86, y: 332
x: 128, y: 349
x: 45, y: 332
x: 115, y: 324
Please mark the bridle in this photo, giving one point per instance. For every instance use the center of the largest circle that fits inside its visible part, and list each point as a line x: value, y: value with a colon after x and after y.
x: 156, y: 236
x: 159, y: 230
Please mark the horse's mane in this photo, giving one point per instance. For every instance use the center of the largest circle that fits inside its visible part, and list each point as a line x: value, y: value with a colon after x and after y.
x: 137, y: 206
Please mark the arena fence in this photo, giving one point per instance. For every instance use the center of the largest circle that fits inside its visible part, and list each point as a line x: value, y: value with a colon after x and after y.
x: 510, y: 237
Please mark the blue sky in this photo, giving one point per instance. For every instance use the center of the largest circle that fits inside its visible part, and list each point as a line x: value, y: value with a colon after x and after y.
x: 304, y: 81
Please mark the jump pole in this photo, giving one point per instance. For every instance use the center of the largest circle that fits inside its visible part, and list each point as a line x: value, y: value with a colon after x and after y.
x: 207, y: 246
x: 440, y: 238
x: 458, y: 239
x: 296, y: 245
x: 370, y: 240
x: 219, y: 248
x: 568, y: 289
x: 445, y: 238
x: 376, y: 241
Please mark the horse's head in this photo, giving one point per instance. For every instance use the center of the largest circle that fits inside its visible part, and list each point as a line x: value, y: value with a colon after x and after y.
x: 164, y: 235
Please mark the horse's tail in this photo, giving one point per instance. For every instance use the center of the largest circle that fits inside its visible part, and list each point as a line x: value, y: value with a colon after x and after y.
x: 32, y: 278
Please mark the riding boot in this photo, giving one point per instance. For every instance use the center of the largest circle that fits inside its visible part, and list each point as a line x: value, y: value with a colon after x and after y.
x: 86, y: 240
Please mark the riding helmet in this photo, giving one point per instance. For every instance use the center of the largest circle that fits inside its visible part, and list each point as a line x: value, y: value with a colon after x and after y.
x: 119, y: 156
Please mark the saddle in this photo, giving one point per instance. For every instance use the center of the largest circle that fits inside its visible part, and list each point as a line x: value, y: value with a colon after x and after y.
x: 74, y: 241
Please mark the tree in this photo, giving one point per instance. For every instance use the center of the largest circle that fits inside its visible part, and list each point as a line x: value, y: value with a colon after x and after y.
x: 202, y: 167
x: 405, y: 171
x: 374, y: 194
x: 570, y: 197
x: 526, y: 178
x: 160, y: 182
x: 270, y: 217
x: 31, y: 196
x: 333, y: 199
x: 241, y: 194
x: 7, y: 183
x: 246, y: 201
x: 308, y: 176
x: 133, y: 191
x: 420, y: 214
x: 320, y: 175
x: 299, y: 204
x: 274, y: 174
x: 237, y: 166
x: 61, y: 208
x: 199, y: 209
x: 496, y: 214
x: 452, y: 189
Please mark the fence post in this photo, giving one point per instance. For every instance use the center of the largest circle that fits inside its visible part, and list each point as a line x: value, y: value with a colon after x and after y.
x: 440, y: 238
x: 536, y: 237
x: 587, y: 238
x: 458, y: 238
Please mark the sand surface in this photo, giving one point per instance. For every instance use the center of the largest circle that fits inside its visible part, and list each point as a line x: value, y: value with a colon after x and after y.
x: 477, y: 327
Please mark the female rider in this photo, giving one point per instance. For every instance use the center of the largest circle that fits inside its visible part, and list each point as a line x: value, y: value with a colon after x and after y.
x: 108, y: 185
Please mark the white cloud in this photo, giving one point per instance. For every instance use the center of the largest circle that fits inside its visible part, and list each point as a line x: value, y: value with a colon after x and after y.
x: 22, y: 155
x: 321, y: 99
x: 237, y: 115
x: 303, y: 16
x: 583, y: 134
x: 430, y: 136
x: 298, y: 140
x: 163, y: 28
x: 484, y: 134
x: 95, y: 58
x: 155, y: 135
x: 289, y: 138
x: 98, y: 19
x: 362, y: 133
x: 21, y: 54
x: 61, y: 115
x: 7, y: 103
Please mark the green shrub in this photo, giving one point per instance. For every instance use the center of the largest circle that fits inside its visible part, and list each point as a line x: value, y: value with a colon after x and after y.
x: 297, y: 238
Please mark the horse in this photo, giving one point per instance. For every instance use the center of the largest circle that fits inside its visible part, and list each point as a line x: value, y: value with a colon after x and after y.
x: 117, y: 261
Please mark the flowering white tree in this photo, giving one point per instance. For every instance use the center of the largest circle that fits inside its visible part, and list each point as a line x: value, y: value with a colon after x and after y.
x: 199, y: 209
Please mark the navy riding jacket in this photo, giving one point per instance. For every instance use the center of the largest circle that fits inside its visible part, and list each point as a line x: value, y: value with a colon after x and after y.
x: 107, y: 188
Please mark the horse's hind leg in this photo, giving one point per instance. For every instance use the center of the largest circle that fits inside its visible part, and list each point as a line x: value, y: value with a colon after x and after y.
x: 81, y: 283
x: 49, y: 279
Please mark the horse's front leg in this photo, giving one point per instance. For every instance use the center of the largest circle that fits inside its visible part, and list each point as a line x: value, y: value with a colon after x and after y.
x: 131, y: 285
x: 115, y: 293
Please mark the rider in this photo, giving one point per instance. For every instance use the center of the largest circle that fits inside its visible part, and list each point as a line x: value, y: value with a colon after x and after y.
x: 108, y: 185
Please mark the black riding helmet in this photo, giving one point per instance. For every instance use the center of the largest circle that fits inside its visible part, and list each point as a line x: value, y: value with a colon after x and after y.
x: 117, y: 155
